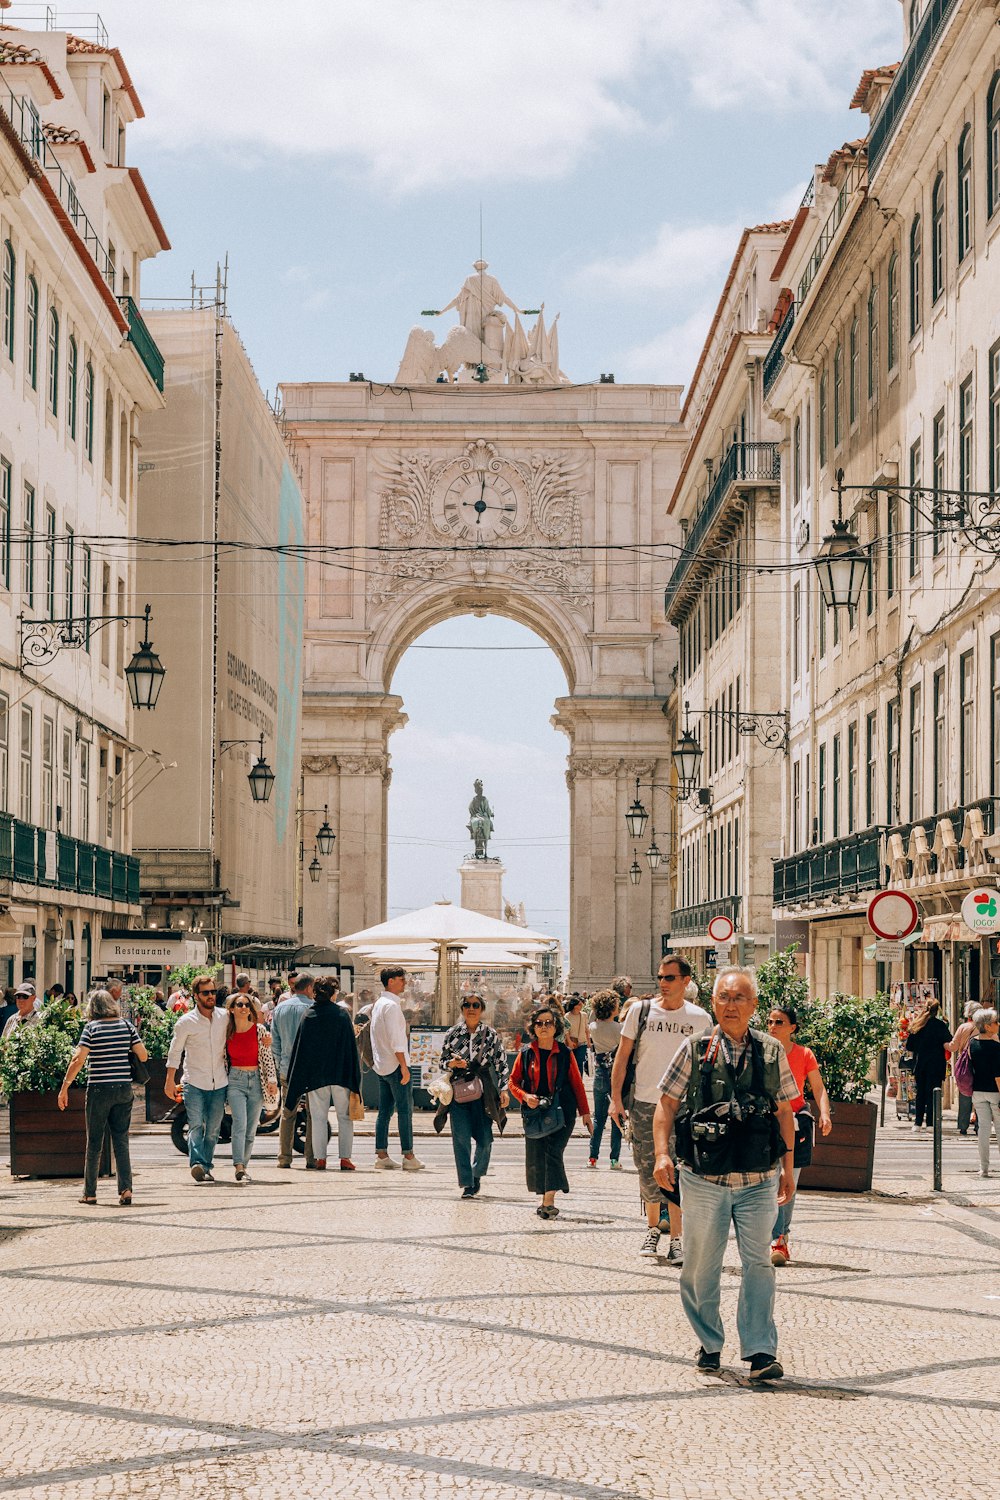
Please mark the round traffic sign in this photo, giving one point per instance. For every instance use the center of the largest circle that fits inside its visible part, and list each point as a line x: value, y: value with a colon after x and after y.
x: 720, y: 929
x: 981, y: 909
x: 892, y: 915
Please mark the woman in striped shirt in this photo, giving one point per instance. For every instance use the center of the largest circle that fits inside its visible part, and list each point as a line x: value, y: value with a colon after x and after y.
x: 104, y: 1045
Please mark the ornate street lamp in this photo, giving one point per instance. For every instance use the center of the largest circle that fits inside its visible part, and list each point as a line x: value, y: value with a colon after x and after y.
x: 325, y: 836
x: 261, y: 778
x: 842, y: 563
x: 145, y: 672
x: 686, y: 756
x: 637, y: 817
x: 653, y: 854
x: 315, y: 868
x: 635, y: 869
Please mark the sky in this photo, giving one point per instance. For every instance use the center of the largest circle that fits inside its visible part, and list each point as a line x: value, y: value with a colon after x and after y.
x: 342, y: 153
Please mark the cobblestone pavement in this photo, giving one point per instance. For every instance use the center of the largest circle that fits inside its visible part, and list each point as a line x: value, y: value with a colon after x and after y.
x: 315, y: 1335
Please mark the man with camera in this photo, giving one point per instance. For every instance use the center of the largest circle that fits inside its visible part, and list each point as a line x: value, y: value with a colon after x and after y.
x: 730, y: 1093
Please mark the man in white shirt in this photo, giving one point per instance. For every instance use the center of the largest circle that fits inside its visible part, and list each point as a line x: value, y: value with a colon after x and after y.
x: 200, y: 1037
x: 654, y: 1029
x: 391, y: 1052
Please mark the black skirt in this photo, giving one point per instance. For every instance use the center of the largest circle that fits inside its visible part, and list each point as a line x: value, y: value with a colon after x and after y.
x: 543, y: 1155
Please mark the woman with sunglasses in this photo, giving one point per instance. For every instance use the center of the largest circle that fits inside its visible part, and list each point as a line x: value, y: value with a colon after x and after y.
x: 475, y: 1058
x: 782, y: 1024
x: 248, y: 1050
x: 545, y: 1071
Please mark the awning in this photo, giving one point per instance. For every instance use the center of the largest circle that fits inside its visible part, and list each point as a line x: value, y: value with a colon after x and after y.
x: 948, y: 928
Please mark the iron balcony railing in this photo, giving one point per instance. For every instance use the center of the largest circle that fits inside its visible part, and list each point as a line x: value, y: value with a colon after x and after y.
x: 774, y: 359
x: 851, y: 184
x: 37, y: 857
x: 145, y: 345
x: 692, y: 921
x: 908, y: 74
x: 839, y: 867
x: 757, y: 463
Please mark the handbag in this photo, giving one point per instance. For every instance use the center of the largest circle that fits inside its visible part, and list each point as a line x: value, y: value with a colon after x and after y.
x: 545, y: 1120
x: 805, y: 1134
x: 265, y: 1063
x: 357, y: 1108
x: 464, y: 1090
x: 961, y: 1071
x: 140, y: 1073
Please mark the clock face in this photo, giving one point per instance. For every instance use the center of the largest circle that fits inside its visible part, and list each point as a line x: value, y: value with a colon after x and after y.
x: 480, y: 508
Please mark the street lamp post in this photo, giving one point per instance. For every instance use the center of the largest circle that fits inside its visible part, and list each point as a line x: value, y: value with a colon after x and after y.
x: 41, y: 640
x: 842, y: 563
x: 260, y: 776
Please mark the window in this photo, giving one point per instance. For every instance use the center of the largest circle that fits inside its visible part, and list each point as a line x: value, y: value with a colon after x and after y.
x: 966, y: 728
x: 916, y: 751
x: 29, y: 545
x: 892, y: 297
x: 88, y: 411
x: 52, y: 388
x: 105, y: 611
x: 31, y: 334
x: 6, y: 486
x: 109, y: 436
x: 72, y: 384
x: 852, y: 777
x: 123, y: 457
x: 914, y: 16
x: 892, y: 761
x: 69, y: 563
x: 873, y: 344
x: 50, y: 561
x: 937, y: 482
x: 24, y: 798
x: 4, y: 747
x: 821, y: 796
x: 940, y: 747
x: 916, y: 273
x: 797, y: 460
x: 995, y: 715
x: 821, y: 628
x: 914, y: 508
x: 892, y: 546
x: 48, y: 772
x: 835, y: 789
x: 993, y: 146
x: 854, y: 373
x: 9, y: 299
x: 871, y: 577
x: 965, y: 448
x: 994, y: 418
x: 84, y: 790
x: 964, y: 205
x: 871, y: 768
x: 796, y: 827
x: 937, y: 237
x: 105, y: 118
x: 65, y: 808
x: 85, y: 584
x: 821, y: 420
x: 838, y: 395
x: 121, y: 637
x: 796, y: 632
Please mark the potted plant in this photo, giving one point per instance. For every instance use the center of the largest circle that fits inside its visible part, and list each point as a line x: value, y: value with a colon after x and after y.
x: 44, y: 1140
x: 157, y: 1033
x: 846, y: 1033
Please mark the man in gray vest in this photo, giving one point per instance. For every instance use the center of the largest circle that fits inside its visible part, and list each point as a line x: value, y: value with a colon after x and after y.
x: 731, y: 1093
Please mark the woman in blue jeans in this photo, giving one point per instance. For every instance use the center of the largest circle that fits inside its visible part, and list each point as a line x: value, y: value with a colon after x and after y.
x: 248, y: 1049
x: 605, y: 1034
x: 476, y: 1061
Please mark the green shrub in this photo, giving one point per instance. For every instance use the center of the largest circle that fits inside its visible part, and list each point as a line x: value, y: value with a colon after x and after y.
x: 34, y: 1059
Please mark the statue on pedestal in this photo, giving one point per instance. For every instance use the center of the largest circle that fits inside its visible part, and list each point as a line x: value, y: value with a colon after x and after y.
x: 480, y: 824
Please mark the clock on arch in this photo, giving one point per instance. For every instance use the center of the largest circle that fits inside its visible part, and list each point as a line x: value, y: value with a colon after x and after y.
x: 477, y: 506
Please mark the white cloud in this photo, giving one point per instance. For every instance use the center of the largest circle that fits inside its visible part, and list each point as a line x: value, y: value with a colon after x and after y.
x: 680, y: 256
x: 669, y: 358
x: 441, y: 92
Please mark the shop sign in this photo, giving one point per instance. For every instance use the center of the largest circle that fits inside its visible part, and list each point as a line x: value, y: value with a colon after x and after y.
x: 149, y: 952
x: 981, y: 909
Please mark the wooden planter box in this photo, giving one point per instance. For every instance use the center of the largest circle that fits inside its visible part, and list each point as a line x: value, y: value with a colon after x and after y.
x: 843, y: 1161
x: 158, y: 1106
x: 46, y: 1141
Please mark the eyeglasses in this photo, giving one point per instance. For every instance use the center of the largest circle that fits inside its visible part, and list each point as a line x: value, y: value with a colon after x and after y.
x: 782, y: 1022
x: 204, y: 994
x: 471, y: 1005
x: 544, y: 1023
x: 669, y: 977
x: 241, y: 1005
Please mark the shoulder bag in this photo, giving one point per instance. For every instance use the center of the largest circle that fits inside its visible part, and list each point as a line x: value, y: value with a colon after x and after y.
x: 548, y: 1117
x: 137, y: 1068
x: 628, y: 1087
x: 265, y: 1063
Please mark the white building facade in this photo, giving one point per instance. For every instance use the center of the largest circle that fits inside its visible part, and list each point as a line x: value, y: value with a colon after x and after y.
x: 77, y: 367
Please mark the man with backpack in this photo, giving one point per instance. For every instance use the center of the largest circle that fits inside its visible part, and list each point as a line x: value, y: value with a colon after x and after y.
x: 652, y: 1032
x: 285, y: 1023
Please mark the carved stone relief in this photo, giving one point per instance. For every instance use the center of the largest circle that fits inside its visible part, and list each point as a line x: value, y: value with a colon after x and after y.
x: 319, y: 765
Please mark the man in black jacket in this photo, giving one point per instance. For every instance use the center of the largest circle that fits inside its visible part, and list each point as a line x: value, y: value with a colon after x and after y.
x: 325, y: 1066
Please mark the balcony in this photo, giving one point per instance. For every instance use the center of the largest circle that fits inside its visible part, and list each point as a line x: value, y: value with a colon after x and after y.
x: 37, y: 856
x: 841, y: 867
x: 908, y: 75
x: 774, y: 361
x: 143, y: 342
x: 745, y: 463
x: 856, y: 179
x: 692, y: 921
x: 946, y: 846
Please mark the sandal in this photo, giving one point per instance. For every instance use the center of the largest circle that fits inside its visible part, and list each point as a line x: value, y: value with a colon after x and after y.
x: 91, y: 1201
x: 125, y: 1199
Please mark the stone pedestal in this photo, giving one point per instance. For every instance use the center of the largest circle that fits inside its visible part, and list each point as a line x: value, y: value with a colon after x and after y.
x: 482, y: 882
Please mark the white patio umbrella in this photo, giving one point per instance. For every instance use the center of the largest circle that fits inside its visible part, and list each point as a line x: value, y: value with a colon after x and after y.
x: 425, y: 955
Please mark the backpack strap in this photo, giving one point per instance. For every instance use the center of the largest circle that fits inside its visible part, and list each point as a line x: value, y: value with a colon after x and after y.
x: 711, y: 1045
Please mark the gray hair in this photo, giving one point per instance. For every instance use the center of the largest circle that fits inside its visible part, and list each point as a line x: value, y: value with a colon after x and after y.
x: 102, y: 1006
x: 984, y: 1018
x: 969, y: 1009
x: 734, y: 971
x: 622, y: 983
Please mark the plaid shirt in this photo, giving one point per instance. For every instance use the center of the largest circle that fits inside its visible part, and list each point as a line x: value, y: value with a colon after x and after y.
x: 674, y: 1084
x: 481, y: 1046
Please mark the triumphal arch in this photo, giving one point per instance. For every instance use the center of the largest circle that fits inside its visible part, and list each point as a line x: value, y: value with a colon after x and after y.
x: 483, y: 480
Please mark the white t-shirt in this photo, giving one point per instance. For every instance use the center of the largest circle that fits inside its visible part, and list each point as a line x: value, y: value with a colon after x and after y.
x: 388, y: 1034
x: 664, y: 1032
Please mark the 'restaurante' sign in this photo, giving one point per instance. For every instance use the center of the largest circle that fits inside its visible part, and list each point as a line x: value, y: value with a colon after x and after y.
x: 145, y: 949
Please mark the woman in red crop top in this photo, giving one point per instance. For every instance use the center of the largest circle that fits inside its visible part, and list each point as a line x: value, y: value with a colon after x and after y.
x: 248, y: 1051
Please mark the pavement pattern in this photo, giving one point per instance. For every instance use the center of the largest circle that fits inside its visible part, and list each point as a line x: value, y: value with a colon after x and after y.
x: 372, y: 1334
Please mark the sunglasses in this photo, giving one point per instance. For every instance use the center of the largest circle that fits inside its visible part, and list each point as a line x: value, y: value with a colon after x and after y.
x: 544, y: 1023
x: 471, y: 1005
x: 241, y: 1005
x: 783, y: 1022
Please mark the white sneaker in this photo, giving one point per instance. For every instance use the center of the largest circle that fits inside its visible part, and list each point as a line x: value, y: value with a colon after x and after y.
x: 410, y: 1164
x: 984, y: 1171
x: 385, y: 1164
x: 649, y: 1244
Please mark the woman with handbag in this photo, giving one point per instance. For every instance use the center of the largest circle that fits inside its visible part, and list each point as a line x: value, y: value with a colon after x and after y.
x: 107, y: 1045
x: 252, y: 1074
x: 547, y: 1082
x: 476, y: 1061
x: 782, y: 1024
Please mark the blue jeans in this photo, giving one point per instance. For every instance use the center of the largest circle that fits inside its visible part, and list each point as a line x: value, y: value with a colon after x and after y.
x: 709, y: 1210
x: 783, y: 1222
x: 246, y: 1100
x: 205, y: 1108
x: 602, y: 1103
x: 470, y: 1122
x: 394, y: 1097
x: 580, y: 1053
